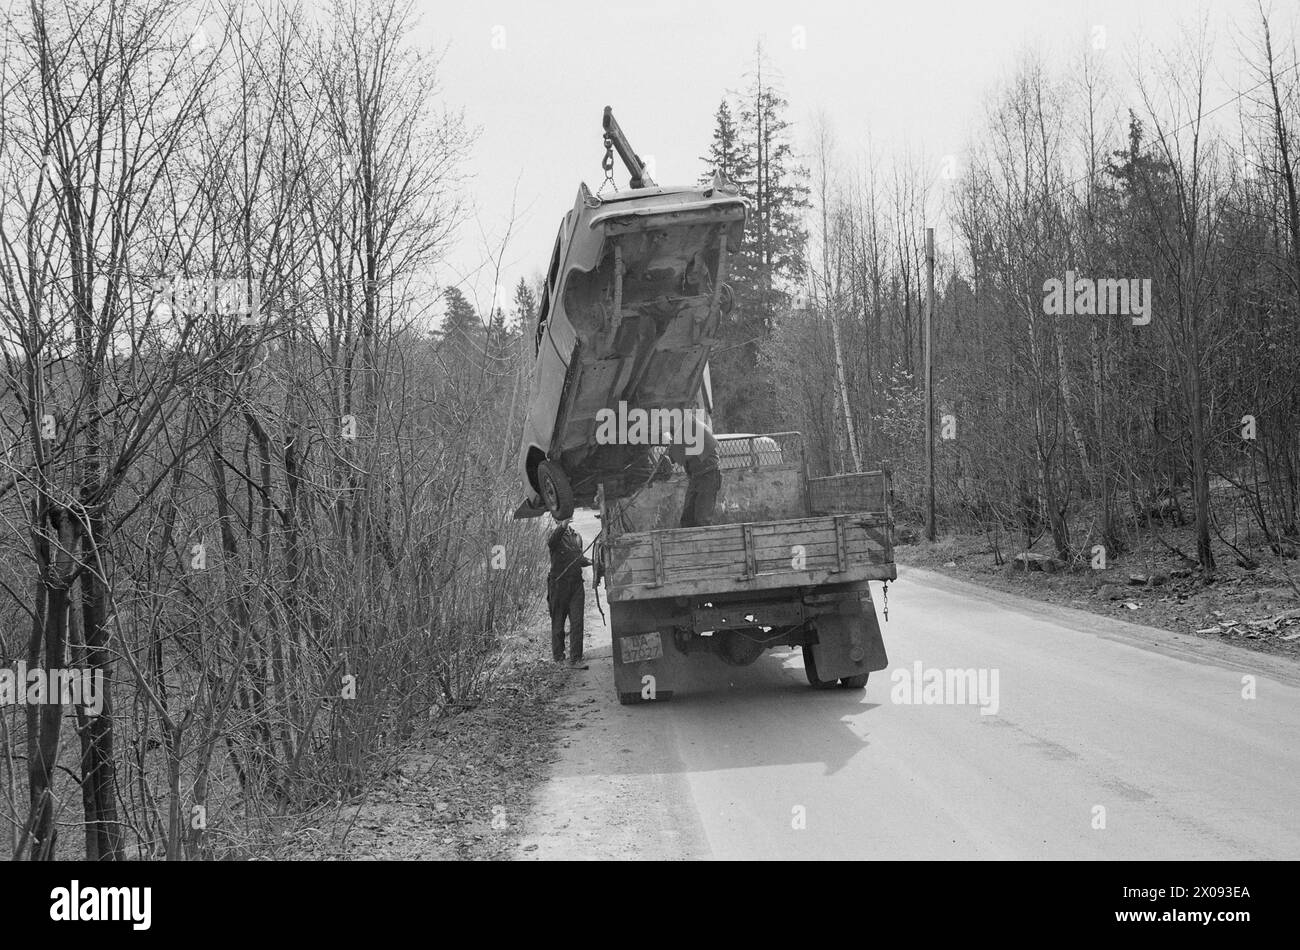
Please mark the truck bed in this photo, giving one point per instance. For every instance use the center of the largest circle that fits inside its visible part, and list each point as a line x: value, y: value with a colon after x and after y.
x: 775, y: 528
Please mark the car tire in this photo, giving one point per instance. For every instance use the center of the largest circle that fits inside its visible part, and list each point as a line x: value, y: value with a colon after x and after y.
x: 555, y: 489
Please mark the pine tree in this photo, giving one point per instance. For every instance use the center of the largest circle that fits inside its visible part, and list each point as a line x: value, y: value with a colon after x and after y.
x: 498, y: 331
x: 753, y: 141
x: 725, y: 152
x: 521, y: 337
x: 460, y: 317
x: 525, y: 306
x: 778, y: 188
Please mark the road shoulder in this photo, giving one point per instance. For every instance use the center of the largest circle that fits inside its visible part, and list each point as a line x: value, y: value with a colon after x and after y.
x: 1283, y: 669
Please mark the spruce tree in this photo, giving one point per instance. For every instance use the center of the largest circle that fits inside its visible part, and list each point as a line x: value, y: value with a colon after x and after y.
x: 460, y: 318
x: 725, y: 154
x: 525, y: 306
x: 752, y: 141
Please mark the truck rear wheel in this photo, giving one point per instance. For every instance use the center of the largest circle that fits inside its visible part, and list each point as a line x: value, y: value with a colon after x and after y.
x: 810, y: 671
x: 858, y: 681
x: 556, y: 490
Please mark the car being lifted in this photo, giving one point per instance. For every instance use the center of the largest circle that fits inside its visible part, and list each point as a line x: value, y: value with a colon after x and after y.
x: 629, y: 313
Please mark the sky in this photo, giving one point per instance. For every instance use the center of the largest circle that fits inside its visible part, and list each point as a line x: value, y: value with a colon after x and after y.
x: 534, y: 77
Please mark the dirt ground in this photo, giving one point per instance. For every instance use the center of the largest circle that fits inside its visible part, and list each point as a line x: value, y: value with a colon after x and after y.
x: 466, y: 780
x: 1255, y: 607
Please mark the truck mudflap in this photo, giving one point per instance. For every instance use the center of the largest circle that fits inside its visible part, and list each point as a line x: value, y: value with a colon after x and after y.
x: 646, y: 664
x: 848, y: 640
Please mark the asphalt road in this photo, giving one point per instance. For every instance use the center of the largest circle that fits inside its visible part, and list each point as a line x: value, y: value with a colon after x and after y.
x: 1097, y: 722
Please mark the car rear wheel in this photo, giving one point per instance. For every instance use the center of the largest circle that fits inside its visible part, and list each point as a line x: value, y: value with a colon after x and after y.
x: 556, y: 490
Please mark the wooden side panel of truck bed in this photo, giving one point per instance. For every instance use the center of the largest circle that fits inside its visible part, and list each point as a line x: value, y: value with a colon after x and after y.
x: 724, y: 558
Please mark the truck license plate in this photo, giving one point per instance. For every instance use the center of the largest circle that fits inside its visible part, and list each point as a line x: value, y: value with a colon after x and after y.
x: 641, y: 646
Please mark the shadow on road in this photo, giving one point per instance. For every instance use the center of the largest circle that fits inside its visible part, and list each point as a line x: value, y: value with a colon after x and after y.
x: 719, y: 718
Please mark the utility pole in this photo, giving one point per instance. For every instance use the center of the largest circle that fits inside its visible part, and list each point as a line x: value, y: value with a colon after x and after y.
x: 929, y: 384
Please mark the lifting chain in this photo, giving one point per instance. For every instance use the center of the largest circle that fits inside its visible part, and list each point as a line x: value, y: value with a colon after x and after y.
x: 885, y: 591
x: 608, y: 165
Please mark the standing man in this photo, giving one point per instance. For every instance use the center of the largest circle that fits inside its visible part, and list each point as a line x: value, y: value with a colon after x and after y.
x: 564, y: 594
x: 705, y: 477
